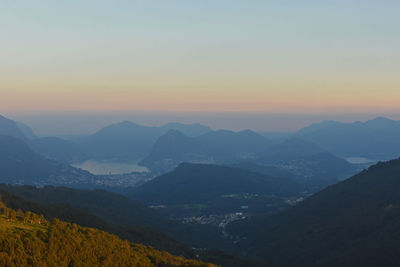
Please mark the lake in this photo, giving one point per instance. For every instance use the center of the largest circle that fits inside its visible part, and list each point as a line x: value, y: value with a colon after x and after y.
x: 360, y: 160
x: 108, y: 167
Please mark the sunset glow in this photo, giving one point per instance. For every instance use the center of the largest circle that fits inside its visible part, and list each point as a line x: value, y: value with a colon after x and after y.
x: 173, y: 55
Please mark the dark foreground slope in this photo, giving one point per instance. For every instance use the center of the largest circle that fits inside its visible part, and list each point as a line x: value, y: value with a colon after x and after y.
x: 115, y: 214
x: 353, y: 223
x: 113, y: 207
x: 123, y: 216
x: 11, y: 196
x: 29, y: 240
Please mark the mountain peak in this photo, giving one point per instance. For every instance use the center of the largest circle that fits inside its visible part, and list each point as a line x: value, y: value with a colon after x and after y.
x: 173, y: 134
x: 318, y: 126
x: 9, y: 127
x: 248, y: 132
x: 381, y: 121
x: 126, y: 124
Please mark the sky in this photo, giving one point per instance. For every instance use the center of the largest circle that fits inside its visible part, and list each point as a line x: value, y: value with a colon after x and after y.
x: 200, y: 55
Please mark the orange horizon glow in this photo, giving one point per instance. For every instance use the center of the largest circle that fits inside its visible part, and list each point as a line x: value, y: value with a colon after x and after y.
x: 235, y: 56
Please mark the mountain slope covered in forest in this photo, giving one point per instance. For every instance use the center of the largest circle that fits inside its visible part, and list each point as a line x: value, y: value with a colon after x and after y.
x: 28, y: 239
x: 353, y: 223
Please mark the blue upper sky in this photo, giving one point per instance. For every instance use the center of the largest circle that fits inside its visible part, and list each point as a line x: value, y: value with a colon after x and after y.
x: 200, y: 55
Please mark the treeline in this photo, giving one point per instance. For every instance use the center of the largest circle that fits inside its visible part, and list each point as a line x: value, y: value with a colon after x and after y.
x: 27, y: 239
x: 19, y: 215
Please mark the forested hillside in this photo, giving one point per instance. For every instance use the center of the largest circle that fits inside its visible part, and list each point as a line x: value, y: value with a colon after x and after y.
x: 135, y: 233
x: 29, y: 240
x: 353, y: 223
x: 118, y: 215
x: 200, y: 183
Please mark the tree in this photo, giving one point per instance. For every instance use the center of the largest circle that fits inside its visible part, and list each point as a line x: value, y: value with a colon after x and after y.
x: 20, y: 214
x: 12, y: 215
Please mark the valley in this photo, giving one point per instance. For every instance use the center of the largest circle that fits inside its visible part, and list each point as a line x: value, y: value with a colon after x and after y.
x: 192, y: 195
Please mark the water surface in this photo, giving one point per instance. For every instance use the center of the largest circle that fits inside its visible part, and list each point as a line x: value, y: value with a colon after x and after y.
x: 360, y: 160
x: 107, y: 167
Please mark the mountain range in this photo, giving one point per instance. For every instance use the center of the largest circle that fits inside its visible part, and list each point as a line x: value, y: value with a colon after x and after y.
x: 126, y: 141
x: 299, y: 157
x: 220, y: 146
x: 129, y: 141
x: 285, y: 203
x: 374, y: 139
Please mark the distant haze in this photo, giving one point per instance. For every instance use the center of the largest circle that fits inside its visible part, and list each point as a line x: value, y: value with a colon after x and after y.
x: 65, y: 123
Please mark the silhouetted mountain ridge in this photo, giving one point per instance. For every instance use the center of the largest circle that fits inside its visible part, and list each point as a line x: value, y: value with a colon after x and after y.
x: 10, y: 128
x: 201, y: 183
x: 220, y: 146
x: 19, y: 164
x: 128, y: 141
x: 375, y: 139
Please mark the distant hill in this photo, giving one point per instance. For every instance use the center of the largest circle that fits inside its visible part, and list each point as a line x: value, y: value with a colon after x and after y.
x: 373, y: 139
x: 124, y: 141
x: 50, y: 147
x: 58, y: 149
x: 19, y: 164
x: 26, y: 130
x: 288, y: 150
x: 129, y: 141
x: 10, y: 128
x: 306, y: 159
x: 313, y: 174
x: 220, y: 146
x: 202, y: 183
x: 121, y: 141
x: 353, y: 223
x: 298, y: 157
x: 191, y: 130
x: 265, y: 169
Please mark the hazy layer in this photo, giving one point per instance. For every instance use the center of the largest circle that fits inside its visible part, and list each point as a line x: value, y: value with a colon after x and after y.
x: 61, y: 123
